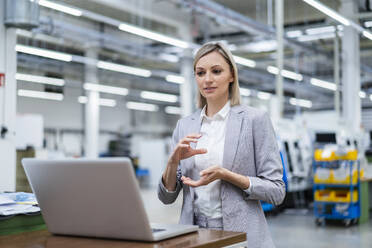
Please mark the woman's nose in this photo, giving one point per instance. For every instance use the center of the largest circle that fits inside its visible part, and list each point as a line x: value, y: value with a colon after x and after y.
x: 208, y: 77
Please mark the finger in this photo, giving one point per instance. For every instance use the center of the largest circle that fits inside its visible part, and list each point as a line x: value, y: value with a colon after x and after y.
x: 183, y: 178
x: 199, y: 151
x: 194, y: 135
x: 193, y: 183
x: 188, y: 140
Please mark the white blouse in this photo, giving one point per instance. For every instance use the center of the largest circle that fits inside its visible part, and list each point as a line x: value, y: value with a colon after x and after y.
x: 213, y: 130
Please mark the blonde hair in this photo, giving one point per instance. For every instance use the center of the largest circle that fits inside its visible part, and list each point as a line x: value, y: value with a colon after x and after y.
x: 234, y: 93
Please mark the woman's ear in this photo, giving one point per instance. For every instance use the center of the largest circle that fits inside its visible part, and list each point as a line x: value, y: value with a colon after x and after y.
x: 232, y: 79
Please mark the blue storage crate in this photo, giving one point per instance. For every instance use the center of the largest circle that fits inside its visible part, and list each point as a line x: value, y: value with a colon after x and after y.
x: 349, y: 212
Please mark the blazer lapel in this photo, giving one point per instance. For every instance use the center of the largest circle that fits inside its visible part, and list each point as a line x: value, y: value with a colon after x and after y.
x: 194, y: 127
x: 233, y: 126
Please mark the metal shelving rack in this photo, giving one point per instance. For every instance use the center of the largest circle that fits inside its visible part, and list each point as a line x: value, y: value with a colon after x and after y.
x: 347, y: 211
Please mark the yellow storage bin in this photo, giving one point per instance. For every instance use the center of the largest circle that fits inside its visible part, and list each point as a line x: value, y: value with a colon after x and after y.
x: 323, y: 175
x: 320, y: 156
x: 324, y: 195
x: 351, y: 155
x: 345, y: 196
x: 345, y: 179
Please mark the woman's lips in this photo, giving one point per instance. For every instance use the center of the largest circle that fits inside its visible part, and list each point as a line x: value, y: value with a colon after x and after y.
x: 209, y: 89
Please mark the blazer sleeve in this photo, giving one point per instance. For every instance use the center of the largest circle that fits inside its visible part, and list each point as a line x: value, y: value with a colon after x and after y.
x: 164, y: 195
x: 268, y: 184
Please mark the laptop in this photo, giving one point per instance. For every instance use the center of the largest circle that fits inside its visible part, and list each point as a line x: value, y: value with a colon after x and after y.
x: 94, y: 198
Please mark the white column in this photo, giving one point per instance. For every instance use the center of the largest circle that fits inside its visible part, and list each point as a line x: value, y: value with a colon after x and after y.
x: 273, y: 109
x: 188, y: 88
x: 351, y: 106
x: 8, y: 100
x: 337, y: 73
x: 91, y: 108
x: 279, y: 59
x: 187, y: 94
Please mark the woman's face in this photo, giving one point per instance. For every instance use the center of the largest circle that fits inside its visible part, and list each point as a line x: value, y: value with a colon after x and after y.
x: 213, y: 76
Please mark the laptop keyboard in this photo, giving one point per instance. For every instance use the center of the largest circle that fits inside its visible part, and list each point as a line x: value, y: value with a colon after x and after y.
x: 154, y: 230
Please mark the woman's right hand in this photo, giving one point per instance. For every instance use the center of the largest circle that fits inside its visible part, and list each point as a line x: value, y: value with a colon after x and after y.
x: 183, y: 149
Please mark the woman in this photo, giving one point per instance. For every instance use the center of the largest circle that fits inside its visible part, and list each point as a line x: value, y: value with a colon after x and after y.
x: 225, y: 155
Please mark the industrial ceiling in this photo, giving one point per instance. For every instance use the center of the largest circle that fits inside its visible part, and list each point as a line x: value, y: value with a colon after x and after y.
x: 246, y: 26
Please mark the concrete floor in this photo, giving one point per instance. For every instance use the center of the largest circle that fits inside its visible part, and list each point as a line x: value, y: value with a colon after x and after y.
x: 289, y: 229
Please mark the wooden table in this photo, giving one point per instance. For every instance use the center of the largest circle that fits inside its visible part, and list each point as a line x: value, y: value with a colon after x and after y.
x: 43, y: 239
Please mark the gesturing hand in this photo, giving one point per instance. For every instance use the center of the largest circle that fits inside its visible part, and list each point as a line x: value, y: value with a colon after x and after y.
x: 206, y: 176
x: 183, y: 149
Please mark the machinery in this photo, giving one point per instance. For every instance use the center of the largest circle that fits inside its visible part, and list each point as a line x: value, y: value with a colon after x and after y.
x: 297, y: 140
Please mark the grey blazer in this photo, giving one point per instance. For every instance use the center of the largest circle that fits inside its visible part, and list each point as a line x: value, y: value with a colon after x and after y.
x: 250, y: 149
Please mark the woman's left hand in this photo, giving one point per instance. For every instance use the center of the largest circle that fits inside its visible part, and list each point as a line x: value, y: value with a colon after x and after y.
x: 206, y: 176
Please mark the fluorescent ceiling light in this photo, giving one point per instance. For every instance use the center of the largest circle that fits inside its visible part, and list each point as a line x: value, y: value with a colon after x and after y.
x: 82, y: 99
x: 362, y: 94
x: 321, y: 30
x: 323, y: 84
x: 272, y: 69
x: 294, y: 33
x: 123, y: 69
x: 172, y: 110
x: 169, y: 57
x: 300, y: 102
x: 106, y: 89
x: 368, y: 24
x: 261, y: 46
x: 285, y: 73
x: 102, y: 101
x: 245, y: 92
x: 40, y: 79
x: 263, y: 95
x: 328, y: 11
x: 142, y: 106
x: 153, y: 36
x: 41, y: 95
x: 316, y: 37
x: 175, y: 79
x: 60, y: 7
x: 367, y: 34
x: 245, y: 62
x: 159, y: 96
x: 292, y: 75
x: 44, y: 53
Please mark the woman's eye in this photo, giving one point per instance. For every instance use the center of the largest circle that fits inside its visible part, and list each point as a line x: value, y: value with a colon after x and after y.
x: 200, y: 73
x: 216, y: 71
